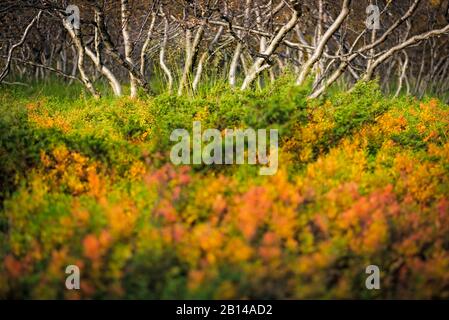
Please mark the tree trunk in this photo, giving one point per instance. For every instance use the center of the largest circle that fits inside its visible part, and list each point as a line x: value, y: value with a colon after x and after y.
x: 320, y: 48
x: 260, y: 63
x: 125, y: 14
x: 78, y: 42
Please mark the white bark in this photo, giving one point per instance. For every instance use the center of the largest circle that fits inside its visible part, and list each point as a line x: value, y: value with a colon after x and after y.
x: 145, y: 46
x: 234, y: 64
x: 74, y: 65
x: 7, y: 67
x: 352, y: 55
x: 199, y: 71
x: 113, y: 51
x: 319, y: 66
x: 191, y: 51
x: 239, y: 48
x: 204, y: 56
x: 113, y: 81
x: 305, y: 70
x: 260, y: 63
x: 125, y: 15
x: 162, y: 54
x: 403, y: 69
x: 78, y: 42
x: 413, y: 40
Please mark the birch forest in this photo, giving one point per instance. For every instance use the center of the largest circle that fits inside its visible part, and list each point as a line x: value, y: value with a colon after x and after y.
x: 224, y: 149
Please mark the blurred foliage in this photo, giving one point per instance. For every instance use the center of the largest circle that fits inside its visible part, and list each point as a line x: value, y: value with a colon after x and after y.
x: 363, y: 180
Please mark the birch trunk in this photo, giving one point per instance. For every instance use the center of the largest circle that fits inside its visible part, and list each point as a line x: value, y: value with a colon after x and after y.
x: 191, y: 52
x: 234, y: 64
x: 347, y: 60
x: 236, y: 57
x: 125, y: 14
x: 143, y: 53
x: 115, y: 54
x: 403, y: 69
x: 7, y: 67
x: 113, y: 81
x: 204, y: 56
x: 305, y: 70
x: 78, y: 42
x: 413, y: 40
x: 162, y: 54
x: 260, y: 64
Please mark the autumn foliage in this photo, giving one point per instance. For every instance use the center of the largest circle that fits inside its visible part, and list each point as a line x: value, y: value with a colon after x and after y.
x: 363, y: 180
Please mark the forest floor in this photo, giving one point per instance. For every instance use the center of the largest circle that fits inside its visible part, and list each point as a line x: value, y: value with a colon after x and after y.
x: 363, y: 180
